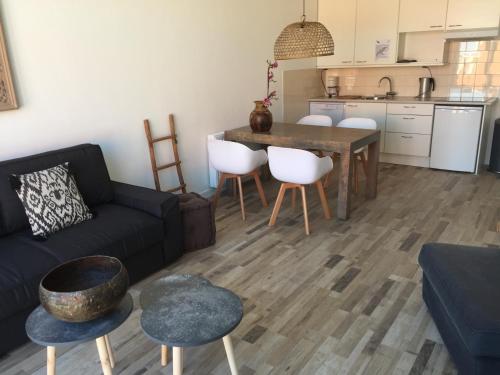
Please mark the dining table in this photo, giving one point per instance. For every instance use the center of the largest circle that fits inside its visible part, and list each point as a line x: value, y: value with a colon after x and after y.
x: 342, y: 141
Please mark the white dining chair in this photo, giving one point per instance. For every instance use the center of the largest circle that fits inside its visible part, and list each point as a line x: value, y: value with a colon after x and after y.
x: 234, y: 160
x: 359, y: 155
x: 319, y: 120
x: 296, y: 168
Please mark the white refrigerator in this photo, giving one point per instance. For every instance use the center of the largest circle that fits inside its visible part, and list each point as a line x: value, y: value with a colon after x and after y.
x: 455, y: 138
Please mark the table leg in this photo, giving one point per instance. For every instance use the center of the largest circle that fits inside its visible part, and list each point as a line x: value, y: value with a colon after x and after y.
x: 103, y: 356
x: 111, y: 355
x: 177, y: 360
x: 344, y: 198
x: 228, y: 345
x: 372, y: 169
x: 164, y: 355
x: 51, y: 360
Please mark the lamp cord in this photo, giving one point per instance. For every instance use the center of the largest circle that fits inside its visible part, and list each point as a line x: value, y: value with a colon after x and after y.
x: 303, y: 11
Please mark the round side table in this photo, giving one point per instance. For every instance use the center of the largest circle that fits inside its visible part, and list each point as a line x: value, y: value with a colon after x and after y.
x: 186, y: 310
x: 43, y: 329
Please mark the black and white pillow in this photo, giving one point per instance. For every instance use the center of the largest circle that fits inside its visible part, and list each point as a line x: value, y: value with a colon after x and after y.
x: 51, y: 199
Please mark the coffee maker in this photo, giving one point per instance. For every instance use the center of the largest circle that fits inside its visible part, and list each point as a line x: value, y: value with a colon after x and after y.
x: 332, y: 86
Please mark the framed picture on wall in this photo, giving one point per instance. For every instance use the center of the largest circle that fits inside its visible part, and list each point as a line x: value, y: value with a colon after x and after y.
x: 7, y: 94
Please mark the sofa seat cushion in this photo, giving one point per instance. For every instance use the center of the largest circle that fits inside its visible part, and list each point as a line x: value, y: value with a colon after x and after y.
x: 466, y: 281
x: 115, y: 231
x: 22, y: 266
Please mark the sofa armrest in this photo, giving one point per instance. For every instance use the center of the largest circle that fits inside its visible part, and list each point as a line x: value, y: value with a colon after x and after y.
x: 162, y: 205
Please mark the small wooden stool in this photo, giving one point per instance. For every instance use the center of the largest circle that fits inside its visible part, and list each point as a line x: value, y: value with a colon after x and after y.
x: 186, y: 310
x: 43, y: 329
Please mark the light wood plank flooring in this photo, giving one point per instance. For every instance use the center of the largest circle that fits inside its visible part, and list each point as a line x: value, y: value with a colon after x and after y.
x: 345, y: 300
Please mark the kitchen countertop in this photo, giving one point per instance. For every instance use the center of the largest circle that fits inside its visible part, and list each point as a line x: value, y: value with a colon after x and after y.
x: 409, y: 99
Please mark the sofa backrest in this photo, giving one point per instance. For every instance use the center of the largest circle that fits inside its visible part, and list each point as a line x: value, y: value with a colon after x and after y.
x: 86, y: 163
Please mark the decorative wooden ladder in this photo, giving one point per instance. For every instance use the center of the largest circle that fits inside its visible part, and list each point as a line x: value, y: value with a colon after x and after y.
x: 177, y: 163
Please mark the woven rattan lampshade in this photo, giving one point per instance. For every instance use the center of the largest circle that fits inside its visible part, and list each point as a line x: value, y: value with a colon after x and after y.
x: 303, y: 39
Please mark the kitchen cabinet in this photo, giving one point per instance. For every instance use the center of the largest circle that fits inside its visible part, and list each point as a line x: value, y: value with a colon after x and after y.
x: 422, y: 15
x: 472, y: 14
x: 376, y: 32
x: 376, y: 111
x: 333, y: 110
x: 339, y: 17
x: 409, y: 129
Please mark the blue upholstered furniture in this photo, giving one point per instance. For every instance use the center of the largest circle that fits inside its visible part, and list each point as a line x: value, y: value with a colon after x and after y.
x: 461, y: 287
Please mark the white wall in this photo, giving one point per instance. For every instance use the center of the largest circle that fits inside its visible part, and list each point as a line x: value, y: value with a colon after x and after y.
x: 92, y: 70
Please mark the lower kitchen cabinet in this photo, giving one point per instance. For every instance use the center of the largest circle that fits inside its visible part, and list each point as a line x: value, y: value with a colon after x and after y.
x: 376, y: 111
x: 408, y: 144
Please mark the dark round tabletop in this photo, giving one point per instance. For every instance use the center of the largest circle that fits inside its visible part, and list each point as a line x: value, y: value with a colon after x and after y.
x: 43, y: 329
x: 187, y: 310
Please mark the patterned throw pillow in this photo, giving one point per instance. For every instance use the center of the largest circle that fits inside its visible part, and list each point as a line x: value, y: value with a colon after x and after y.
x: 51, y: 199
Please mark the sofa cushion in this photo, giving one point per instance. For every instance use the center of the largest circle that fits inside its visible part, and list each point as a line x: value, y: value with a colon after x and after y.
x: 116, y: 231
x: 51, y: 199
x: 87, y: 165
x: 467, y: 282
x: 22, y: 265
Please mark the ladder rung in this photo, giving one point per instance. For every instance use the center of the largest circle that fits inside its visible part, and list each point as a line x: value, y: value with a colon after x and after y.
x: 154, y: 140
x: 176, y: 189
x: 168, y: 165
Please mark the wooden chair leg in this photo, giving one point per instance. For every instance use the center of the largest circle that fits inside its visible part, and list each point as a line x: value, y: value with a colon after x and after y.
x: 111, y: 355
x: 235, y: 187
x: 222, y: 180
x: 164, y: 355
x: 177, y: 360
x: 277, y: 205
x: 324, y: 202
x: 228, y: 345
x: 51, y: 360
x: 355, y: 174
x: 103, y: 356
x: 304, y: 207
x: 242, y: 203
x: 260, y: 189
x: 294, y: 197
x: 364, y: 162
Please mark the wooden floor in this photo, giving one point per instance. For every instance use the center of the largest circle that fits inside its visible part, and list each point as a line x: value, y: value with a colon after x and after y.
x: 345, y: 300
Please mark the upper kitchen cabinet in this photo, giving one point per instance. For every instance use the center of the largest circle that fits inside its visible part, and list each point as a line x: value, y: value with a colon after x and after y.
x: 422, y: 15
x: 472, y: 14
x: 339, y: 17
x: 376, y: 32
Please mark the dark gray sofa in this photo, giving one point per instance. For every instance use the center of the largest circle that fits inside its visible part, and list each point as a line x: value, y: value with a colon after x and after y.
x: 461, y: 287
x: 139, y: 226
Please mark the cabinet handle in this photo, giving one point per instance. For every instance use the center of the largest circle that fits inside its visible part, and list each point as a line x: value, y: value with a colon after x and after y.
x: 457, y: 25
x: 346, y: 62
x: 408, y: 118
x: 407, y: 136
x: 435, y: 26
x: 352, y: 105
x: 360, y: 61
x: 409, y: 106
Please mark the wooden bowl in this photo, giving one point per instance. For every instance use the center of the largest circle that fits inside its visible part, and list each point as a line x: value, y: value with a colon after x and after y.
x: 84, y: 289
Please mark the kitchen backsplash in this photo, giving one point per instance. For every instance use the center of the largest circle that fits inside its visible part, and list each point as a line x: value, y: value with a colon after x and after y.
x: 473, y: 71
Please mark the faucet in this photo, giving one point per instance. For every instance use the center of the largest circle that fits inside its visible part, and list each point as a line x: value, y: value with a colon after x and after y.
x: 390, y: 92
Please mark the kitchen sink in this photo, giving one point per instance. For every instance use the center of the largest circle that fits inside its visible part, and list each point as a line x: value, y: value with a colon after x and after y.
x: 374, y: 97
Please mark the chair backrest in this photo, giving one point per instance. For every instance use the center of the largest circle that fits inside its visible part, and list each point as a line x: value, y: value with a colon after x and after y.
x: 319, y: 120
x: 227, y: 156
x: 293, y: 165
x: 358, y: 123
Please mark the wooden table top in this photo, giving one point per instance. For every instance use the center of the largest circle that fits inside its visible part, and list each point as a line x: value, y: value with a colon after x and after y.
x: 323, y: 138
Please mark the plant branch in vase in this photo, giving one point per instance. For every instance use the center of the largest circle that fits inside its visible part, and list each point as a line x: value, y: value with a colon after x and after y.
x: 261, y: 119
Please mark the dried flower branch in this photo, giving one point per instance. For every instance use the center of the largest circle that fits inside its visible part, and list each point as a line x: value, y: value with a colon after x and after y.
x: 270, y: 78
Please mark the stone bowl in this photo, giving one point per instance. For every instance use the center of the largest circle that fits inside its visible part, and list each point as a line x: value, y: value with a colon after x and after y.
x: 84, y: 289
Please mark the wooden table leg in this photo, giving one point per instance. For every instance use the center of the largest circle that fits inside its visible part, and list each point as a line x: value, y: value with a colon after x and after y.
x: 111, y: 355
x: 177, y: 360
x: 164, y: 355
x: 372, y: 169
x: 103, y: 356
x: 51, y: 360
x: 344, y: 198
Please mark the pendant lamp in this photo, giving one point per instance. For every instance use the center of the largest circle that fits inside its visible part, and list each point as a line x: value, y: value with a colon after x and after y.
x: 303, y: 39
